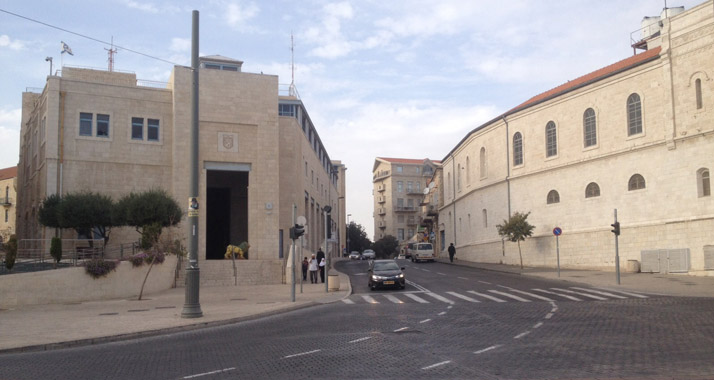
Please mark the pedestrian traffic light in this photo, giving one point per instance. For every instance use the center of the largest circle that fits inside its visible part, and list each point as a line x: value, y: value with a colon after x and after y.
x: 616, y: 228
x: 297, y: 231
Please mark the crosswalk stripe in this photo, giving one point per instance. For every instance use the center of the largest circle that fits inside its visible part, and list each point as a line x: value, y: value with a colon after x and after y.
x: 369, y: 299
x: 510, y: 296
x: 463, y: 297
x: 393, y: 298
x: 599, y: 292
x: 440, y: 298
x: 416, y: 298
x: 486, y: 296
x: 532, y: 295
x: 348, y: 301
x: 627, y: 293
x: 581, y: 294
x: 558, y: 294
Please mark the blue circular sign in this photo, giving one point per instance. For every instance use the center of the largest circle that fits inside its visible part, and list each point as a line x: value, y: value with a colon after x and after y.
x: 557, y: 231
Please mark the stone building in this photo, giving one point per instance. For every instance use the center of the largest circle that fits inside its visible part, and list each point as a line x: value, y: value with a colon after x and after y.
x: 106, y: 132
x: 8, y: 199
x: 399, y: 185
x: 636, y: 136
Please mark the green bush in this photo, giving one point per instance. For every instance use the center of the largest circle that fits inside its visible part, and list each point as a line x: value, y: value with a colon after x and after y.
x: 150, y: 235
x: 10, y: 252
x: 56, y: 249
x: 99, y: 267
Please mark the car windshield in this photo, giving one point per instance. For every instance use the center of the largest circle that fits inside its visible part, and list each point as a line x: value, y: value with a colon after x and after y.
x: 390, y: 265
x: 424, y: 247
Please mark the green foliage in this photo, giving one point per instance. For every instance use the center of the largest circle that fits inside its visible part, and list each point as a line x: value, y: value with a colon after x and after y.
x: 84, y: 212
x: 358, y: 237
x: 516, y: 229
x: 386, y: 246
x: 47, y: 214
x: 99, y: 267
x: 56, y: 249
x: 150, y: 235
x: 10, y: 252
x: 145, y: 209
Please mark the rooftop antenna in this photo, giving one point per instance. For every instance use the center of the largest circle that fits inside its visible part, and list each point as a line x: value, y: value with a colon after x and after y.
x: 292, y: 66
x: 111, y: 51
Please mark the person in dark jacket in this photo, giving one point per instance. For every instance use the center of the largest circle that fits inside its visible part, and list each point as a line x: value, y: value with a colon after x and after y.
x: 452, y: 252
x: 305, y: 264
x: 320, y: 257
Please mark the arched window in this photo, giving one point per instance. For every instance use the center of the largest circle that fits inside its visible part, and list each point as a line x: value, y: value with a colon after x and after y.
x: 484, y: 216
x: 589, y: 128
x: 636, y: 182
x: 468, y: 171
x: 634, y: 115
x: 592, y: 190
x: 698, y: 93
x: 458, y: 177
x: 551, y: 140
x: 517, y: 149
x: 703, y: 185
x: 482, y: 162
x: 553, y: 197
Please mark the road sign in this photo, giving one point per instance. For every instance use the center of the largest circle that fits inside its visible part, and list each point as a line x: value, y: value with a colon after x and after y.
x: 557, y: 231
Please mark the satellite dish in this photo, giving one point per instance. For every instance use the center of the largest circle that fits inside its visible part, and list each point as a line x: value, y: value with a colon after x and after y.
x: 426, y: 191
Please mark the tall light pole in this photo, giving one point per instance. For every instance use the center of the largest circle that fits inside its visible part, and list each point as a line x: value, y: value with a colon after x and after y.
x: 192, y: 306
x: 348, y: 233
x: 326, y: 210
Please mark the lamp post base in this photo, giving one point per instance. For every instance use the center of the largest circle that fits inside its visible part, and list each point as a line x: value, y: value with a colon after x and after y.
x: 191, y: 307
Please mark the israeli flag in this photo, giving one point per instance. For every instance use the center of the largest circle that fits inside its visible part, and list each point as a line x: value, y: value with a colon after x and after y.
x: 66, y: 49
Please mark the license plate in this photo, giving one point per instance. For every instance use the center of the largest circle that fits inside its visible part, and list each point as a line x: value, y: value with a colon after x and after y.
x: 388, y: 282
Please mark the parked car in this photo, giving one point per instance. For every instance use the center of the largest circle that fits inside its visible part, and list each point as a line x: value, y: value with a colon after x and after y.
x: 354, y: 255
x: 368, y: 254
x: 385, y: 273
x: 422, y: 252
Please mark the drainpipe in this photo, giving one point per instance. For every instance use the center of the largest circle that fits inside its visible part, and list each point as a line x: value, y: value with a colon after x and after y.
x: 508, y: 167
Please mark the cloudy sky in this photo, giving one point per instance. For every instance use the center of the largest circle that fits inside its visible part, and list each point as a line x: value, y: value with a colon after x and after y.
x: 379, y: 78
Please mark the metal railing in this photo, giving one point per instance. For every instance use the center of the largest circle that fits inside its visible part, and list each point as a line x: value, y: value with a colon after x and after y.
x: 6, y: 201
x: 74, y: 251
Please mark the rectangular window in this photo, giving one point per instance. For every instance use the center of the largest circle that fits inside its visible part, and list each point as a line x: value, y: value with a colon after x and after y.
x: 410, y: 203
x: 6, y: 215
x: 400, y: 219
x: 400, y: 234
x: 286, y: 110
x: 137, y: 128
x: 400, y: 203
x: 152, y: 129
x: 410, y: 233
x: 85, y: 124
x: 400, y: 186
x: 410, y: 184
x: 399, y: 169
x: 43, y: 125
x: 102, y: 125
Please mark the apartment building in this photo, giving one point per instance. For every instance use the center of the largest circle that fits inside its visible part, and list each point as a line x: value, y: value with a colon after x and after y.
x: 8, y: 199
x: 634, y: 137
x: 399, y: 185
x: 259, y: 154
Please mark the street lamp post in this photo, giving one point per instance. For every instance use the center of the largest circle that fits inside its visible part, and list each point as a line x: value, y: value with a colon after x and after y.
x: 348, y: 234
x: 326, y: 211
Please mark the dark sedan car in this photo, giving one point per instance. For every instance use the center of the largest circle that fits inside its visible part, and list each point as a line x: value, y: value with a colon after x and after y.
x: 385, y: 273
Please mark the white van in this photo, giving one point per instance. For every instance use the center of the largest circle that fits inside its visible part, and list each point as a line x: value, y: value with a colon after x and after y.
x: 422, y: 252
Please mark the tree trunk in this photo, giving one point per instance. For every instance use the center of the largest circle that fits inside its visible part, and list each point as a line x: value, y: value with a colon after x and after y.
x: 147, y: 276
x: 520, y: 254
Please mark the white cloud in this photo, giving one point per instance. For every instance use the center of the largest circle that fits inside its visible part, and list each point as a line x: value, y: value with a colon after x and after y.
x: 6, y: 41
x: 180, y: 45
x: 237, y: 14
x: 9, y: 137
x: 144, y: 6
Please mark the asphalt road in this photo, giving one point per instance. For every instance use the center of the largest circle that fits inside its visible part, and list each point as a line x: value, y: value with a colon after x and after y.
x: 450, y: 322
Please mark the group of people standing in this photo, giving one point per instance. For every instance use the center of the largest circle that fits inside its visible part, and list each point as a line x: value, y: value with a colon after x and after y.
x: 313, y: 265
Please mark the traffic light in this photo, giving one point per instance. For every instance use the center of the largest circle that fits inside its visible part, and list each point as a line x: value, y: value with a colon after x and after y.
x: 616, y: 228
x: 297, y: 231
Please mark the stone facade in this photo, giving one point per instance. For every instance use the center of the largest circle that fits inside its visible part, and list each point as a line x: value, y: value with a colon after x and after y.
x: 672, y: 208
x: 8, y: 198
x: 246, y: 151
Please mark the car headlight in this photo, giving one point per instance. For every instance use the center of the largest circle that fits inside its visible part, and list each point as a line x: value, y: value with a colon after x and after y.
x: 377, y: 278
x: 401, y: 275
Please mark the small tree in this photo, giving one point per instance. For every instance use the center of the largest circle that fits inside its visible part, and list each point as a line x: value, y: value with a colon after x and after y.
x: 49, y: 210
x: 386, y: 246
x: 56, y: 250
x: 86, y: 212
x: 141, y: 210
x: 10, y: 252
x: 357, y: 237
x: 516, y: 229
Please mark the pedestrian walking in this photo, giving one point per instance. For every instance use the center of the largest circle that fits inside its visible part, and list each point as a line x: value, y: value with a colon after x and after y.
x: 452, y: 252
x: 305, y: 265
x: 313, y: 269
x: 320, y: 255
x: 322, y: 270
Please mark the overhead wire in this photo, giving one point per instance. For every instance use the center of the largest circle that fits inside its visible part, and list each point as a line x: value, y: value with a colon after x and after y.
x: 88, y: 37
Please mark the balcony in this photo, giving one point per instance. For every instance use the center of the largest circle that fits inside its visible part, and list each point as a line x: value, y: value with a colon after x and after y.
x: 405, y: 209
x: 381, y: 199
x: 431, y: 210
x: 415, y: 192
x: 381, y: 211
x: 6, y: 201
x: 381, y: 187
x: 382, y: 225
x: 380, y: 174
x: 412, y: 221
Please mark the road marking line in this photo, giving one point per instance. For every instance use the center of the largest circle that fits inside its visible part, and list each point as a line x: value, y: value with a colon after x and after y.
x: 393, y: 298
x: 463, y: 297
x: 463, y: 278
x: 484, y: 282
x: 521, y: 335
x: 425, y: 321
x: 439, y: 273
x: 440, y: 298
x: 442, y: 313
x: 401, y: 329
x: 423, y: 289
x: 369, y: 299
x: 437, y: 364
x: 426, y: 270
x: 548, y: 316
x: 348, y: 301
x: 539, y: 324
x: 449, y: 307
x: 510, y: 296
x: 486, y: 296
x: 487, y: 349
x: 599, y: 292
x: 301, y: 354
x: 626, y: 293
x: 581, y: 294
x: 558, y: 294
x: 209, y: 373
x: 360, y: 339
x: 416, y: 298
x: 531, y: 295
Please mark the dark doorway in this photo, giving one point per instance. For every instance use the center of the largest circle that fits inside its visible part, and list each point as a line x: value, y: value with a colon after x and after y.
x: 226, y: 211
